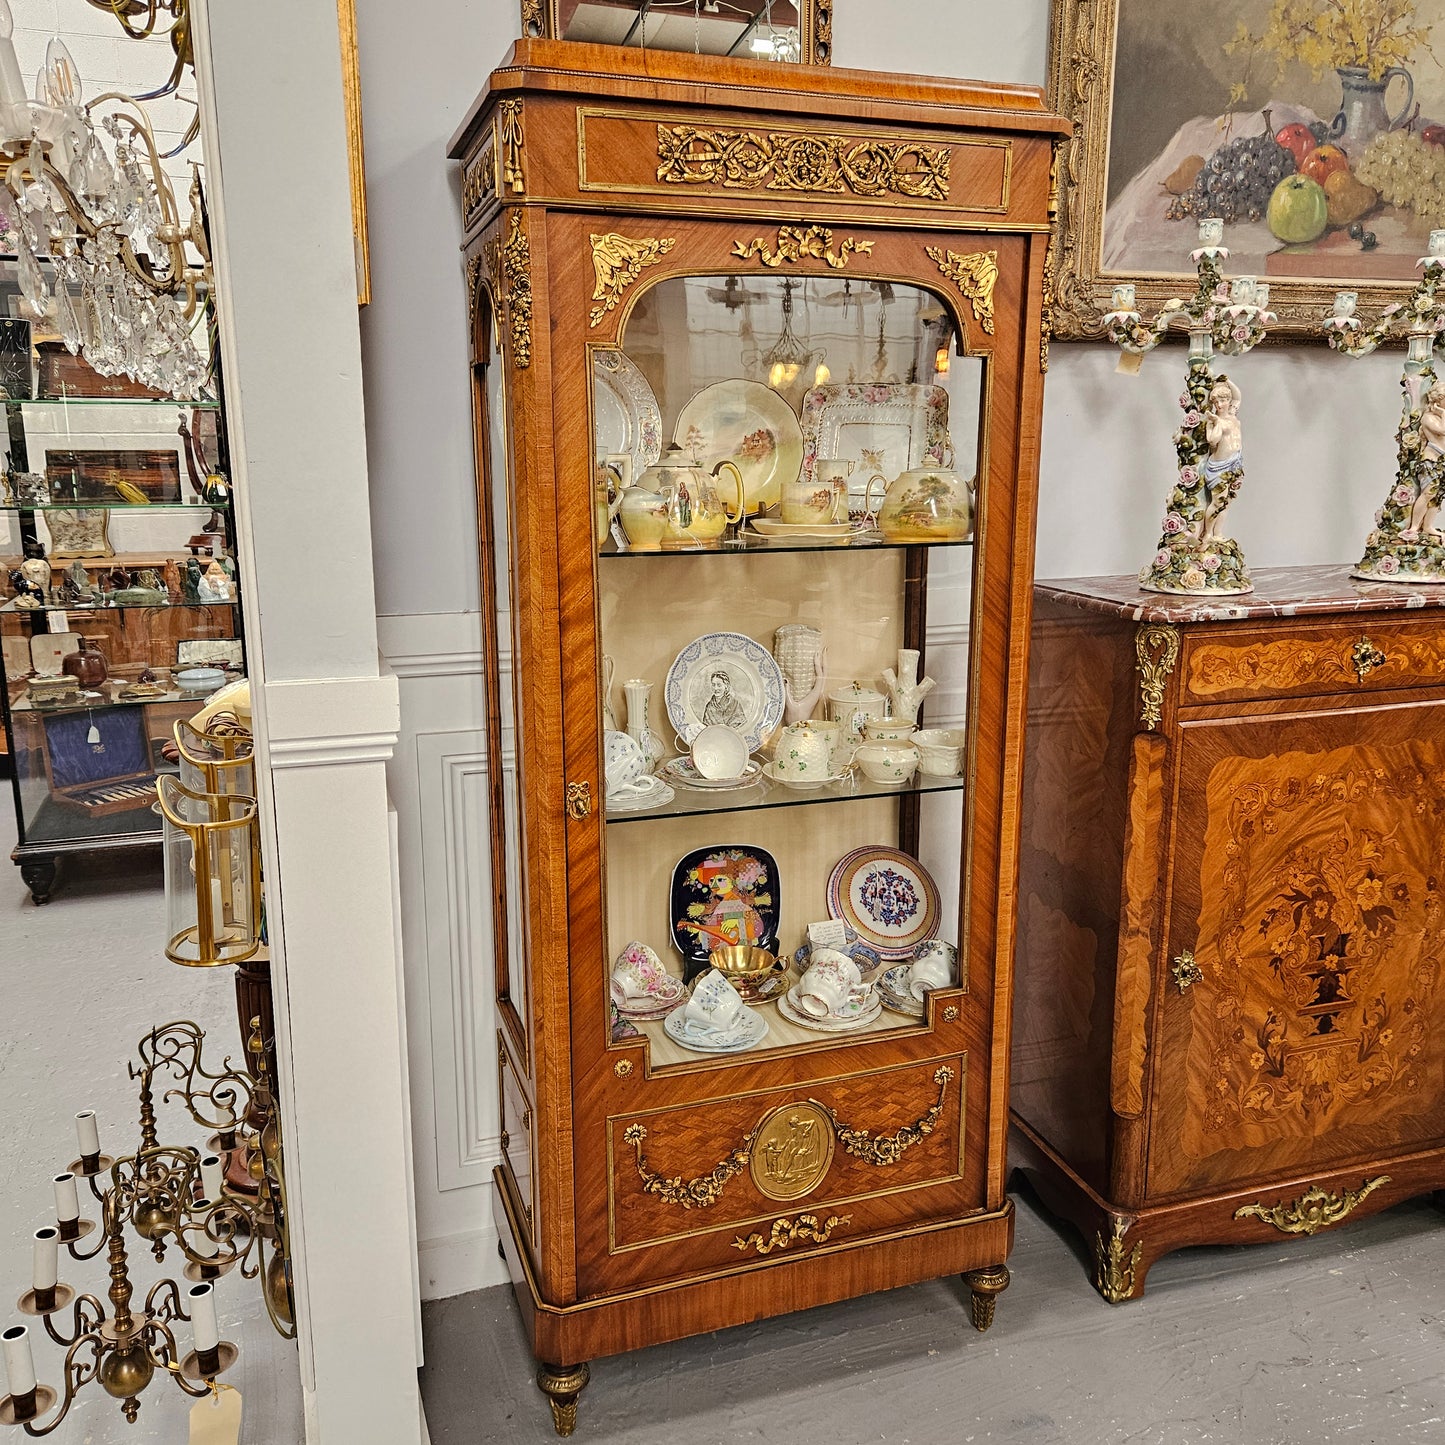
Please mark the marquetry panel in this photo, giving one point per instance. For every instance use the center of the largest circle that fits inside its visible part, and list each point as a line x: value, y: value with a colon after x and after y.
x: 1340, y: 658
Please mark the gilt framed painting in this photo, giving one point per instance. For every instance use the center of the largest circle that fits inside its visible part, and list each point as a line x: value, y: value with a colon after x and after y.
x: 1314, y: 128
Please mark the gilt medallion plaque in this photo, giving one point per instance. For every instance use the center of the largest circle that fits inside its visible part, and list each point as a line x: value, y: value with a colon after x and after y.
x: 792, y: 1151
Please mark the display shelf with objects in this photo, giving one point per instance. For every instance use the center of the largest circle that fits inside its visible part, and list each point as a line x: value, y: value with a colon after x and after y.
x: 1228, y: 995
x: 120, y: 611
x: 756, y: 509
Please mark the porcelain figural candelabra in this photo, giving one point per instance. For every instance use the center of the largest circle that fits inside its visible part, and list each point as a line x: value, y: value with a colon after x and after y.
x: 1194, y: 556
x: 1407, y: 543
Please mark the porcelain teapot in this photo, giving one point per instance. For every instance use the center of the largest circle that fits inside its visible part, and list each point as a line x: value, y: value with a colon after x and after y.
x: 931, y: 503
x: 694, y: 514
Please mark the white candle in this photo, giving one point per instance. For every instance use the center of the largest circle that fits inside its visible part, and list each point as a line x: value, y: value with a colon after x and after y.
x: 67, y: 1201
x: 1437, y: 238
x: 213, y: 1176
x: 87, y: 1130
x: 227, y: 1120
x: 1123, y: 297
x: 201, y: 1244
x: 218, y: 912
x: 12, y: 84
x: 19, y: 1363
x: 203, y: 1317
x: 47, y: 1258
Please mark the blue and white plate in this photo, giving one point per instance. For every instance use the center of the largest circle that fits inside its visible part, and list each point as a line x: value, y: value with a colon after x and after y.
x: 887, y: 898
x: 749, y: 1030
x: 725, y: 678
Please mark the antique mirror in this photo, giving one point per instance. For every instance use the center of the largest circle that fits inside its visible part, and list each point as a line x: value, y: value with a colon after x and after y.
x: 790, y: 30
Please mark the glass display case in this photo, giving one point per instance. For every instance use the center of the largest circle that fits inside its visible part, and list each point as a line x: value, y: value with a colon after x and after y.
x: 756, y: 503
x: 120, y: 610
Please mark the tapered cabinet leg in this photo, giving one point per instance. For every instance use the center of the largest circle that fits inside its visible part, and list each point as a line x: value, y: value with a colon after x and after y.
x: 985, y: 1286
x: 562, y: 1384
x: 38, y: 875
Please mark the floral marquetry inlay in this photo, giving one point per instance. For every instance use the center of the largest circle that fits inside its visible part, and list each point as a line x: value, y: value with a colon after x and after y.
x: 1322, y: 954
x: 798, y: 161
x: 1293, y: 663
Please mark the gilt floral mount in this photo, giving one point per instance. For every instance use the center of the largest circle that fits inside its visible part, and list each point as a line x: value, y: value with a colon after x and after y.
x: 1407, y: 543
x: 1193, y: 556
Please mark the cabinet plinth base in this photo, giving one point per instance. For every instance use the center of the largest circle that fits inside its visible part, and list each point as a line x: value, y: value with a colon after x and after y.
x: 562, y: 1385
x: 985, y: 1286
x: 1126, y: 1242
x: 631, y: 1320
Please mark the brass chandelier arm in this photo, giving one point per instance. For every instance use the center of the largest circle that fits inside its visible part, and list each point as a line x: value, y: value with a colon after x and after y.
x: 78, y: 1374
x: 87, y: 1313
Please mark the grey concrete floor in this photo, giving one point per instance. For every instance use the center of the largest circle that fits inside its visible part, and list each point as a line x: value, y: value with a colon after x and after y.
x: 1336, y: 1339
x: 81, y: 980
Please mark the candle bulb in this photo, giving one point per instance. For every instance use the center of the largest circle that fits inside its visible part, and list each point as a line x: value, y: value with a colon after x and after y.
x: 201, y: 1244
x: 12, y: 83
x: 19, y: 1363
x: 87, y: 1131
x: 213, y: 1176
x: 203, y: 1317
x: 46, y: 1269
x: 67, y: 1201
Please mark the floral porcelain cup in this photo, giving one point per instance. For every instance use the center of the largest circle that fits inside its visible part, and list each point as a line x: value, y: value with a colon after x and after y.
x: 832, y: 987
x: 624, y: 760
x: 803, y: 754
x: 715, y: 1004
x: 639, y: 972
x: 935, y: 965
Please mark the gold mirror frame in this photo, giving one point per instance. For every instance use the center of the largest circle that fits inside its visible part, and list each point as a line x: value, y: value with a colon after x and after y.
x: 1082, y: 52
x: 539, y: 19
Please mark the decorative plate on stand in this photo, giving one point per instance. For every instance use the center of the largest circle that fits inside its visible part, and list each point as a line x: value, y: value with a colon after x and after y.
x: 727, y: 678
x: 886, y: 897
x: 749, y: 424
x: 625, y: 411
x: 726, y: 894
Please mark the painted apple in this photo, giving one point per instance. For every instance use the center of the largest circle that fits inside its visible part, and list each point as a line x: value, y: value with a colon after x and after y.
x: 1298, y: 140
x: 1322, y: 162
x: 1299, y: 210
x: 1433, y: 135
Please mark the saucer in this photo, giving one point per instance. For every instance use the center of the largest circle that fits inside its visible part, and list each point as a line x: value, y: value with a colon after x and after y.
x: 772, y: 527
x: 765, y: 990
x: 640, y: 802
x: 683, y: 772
x: 790, y: 1009
x: 750, y: 1030
x: 893, y: 990
x: 801, y: 785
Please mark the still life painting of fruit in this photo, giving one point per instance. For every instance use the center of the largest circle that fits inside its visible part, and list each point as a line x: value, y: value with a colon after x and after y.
x: 1314, y: 128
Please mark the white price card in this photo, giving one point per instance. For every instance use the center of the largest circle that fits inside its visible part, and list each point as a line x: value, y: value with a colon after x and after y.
x: 58, y: 621
x: 833, y: 933
x: 216, y: 1420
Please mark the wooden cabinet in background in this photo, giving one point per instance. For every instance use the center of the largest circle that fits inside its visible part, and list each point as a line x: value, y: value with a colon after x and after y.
x: 1229, y: 1012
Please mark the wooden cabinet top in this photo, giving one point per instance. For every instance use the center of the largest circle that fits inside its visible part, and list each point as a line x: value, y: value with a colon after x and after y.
x: 610, y: 73
x: 1278, y: 592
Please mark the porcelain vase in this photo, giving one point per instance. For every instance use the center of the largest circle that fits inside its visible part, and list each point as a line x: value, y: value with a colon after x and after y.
x: 904, y: 689
x: 639, y: 704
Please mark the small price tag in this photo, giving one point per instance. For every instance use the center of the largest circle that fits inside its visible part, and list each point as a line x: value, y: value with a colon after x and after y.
x: 1130, y: 363
x: 58, y: 621
x: 831, y: 934
x: 216, y: 1420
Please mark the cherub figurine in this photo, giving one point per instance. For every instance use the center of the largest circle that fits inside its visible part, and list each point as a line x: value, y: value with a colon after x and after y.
x: 1432, y: 478
x: 1224, y: 471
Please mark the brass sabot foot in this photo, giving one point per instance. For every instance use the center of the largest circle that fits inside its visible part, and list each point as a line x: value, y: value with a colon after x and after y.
x: 985, y: 1286
x: 562, y: 1384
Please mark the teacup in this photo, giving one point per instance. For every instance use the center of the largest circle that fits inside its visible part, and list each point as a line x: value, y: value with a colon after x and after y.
x: 832, y: 986
x: 840, y: 743
x: 719, y: 752
x: 887, y: 729
x: 803, y: 754
x: 715, y: 1004
x: 639, y: 972
x: 940, y: 751
x: 810, y: 502
x: 935, y: 965
x: 852, y: 704
x: 623, y: 760
x: 890, y: 763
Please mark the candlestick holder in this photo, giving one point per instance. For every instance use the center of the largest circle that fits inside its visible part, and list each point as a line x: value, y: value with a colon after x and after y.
x: 1193, y: 556
x: 1407, y: 543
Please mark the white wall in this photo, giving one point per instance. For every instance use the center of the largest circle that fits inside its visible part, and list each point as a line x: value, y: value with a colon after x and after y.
x: 1318, y: 450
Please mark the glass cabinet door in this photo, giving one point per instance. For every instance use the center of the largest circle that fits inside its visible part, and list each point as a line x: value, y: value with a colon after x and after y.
x: 784, y: 523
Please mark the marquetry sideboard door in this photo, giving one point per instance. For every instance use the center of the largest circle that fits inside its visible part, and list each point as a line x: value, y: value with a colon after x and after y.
x: 1298, y: 1009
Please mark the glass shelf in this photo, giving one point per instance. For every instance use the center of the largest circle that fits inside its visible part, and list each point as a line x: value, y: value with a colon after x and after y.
x: 754, y: 545
x: 90, y: 504
x: 9, y: 609
x: 693, y: 802
x: 22, y: 704
x: 167, y: 401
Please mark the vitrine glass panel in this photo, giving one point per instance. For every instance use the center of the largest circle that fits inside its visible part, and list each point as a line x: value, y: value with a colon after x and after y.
x: 755, y: 29
x: 783, y: 604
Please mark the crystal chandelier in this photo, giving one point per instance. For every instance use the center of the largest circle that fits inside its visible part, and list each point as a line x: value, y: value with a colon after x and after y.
x: 123, y: 289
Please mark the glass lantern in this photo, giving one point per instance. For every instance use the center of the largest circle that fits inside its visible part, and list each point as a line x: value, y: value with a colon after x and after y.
x: 219, y: 760
x: 213, y: 875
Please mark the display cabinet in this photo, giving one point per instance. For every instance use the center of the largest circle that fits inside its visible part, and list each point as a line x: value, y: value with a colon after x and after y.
x: 119, y: 607
x: 827, y: 291
x: 1228, y: 992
